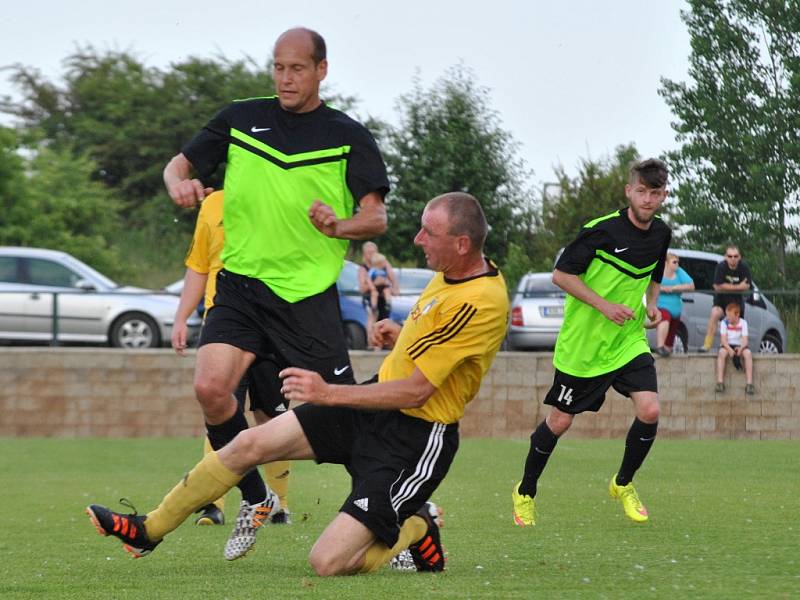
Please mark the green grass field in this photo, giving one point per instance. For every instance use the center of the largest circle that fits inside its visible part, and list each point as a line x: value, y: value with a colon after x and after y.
x: 725, y: 523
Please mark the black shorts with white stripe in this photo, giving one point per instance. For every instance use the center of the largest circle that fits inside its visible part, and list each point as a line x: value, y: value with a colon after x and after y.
x: 395, y: 461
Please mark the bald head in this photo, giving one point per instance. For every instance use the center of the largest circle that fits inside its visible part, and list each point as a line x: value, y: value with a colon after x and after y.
x: 302, y: 35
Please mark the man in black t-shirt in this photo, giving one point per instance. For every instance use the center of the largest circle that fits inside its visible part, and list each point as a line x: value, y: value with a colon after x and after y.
x: 731, y: 278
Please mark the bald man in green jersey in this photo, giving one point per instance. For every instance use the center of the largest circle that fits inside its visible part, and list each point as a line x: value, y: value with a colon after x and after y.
x: 301, y: 180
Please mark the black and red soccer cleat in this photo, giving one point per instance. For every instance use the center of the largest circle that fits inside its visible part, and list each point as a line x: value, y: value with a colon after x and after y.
x: 428, y: 553
x: 127, y: 528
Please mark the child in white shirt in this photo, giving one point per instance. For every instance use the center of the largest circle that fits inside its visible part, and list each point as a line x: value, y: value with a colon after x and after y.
x: 733, y: 343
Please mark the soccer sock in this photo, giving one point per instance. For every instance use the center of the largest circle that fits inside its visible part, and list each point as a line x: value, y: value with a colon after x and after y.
x: 219, y: 502
x: 377, y: 555
x: 638, y: 443
x: 543, y: 442
x: 207, y: 481
x: 277, y: 475
x: 251, y: 485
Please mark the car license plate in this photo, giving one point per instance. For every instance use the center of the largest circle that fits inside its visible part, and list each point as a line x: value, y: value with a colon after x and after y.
x: 552, y: 311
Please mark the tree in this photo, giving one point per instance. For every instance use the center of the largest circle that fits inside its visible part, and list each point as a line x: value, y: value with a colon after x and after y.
x: 598, y: 189
x: 58, y: 206
x: 450, y: 140
x: 128, y: 118
x: 738, y: 168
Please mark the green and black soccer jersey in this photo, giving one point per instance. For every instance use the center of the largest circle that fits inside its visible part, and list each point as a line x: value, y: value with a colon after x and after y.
x: 278, y: 163
x: 617, y: 260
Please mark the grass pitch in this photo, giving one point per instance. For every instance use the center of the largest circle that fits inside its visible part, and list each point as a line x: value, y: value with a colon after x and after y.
x: 724, y: 522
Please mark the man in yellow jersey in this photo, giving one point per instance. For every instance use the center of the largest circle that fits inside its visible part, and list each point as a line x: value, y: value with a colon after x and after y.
x: 203, y: 262
x: 396, y: 437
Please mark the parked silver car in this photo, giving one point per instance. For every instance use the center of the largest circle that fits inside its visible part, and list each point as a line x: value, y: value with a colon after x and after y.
x: 767, y: 331
x: 537, y: 311
x: 91, y: 308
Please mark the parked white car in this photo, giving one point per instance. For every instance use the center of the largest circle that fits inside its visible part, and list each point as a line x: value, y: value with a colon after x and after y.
x: 90, y: 307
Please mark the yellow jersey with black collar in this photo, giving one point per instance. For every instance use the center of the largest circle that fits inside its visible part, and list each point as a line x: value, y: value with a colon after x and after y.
x: 204, y: 255
x: 452, y: 335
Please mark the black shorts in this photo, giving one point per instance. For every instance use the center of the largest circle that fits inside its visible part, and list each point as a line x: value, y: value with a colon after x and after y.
x: 307, y: 334
x: 264, y: 387
x: 575, y: 395
x: 395, y: 461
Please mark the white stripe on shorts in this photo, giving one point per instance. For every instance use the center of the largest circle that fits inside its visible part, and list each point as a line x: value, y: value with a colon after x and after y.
x: 423, y: 470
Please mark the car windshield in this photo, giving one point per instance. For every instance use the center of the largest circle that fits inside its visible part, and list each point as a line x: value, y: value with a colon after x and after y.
x: 82, y: 268
x: 348, y: 279
x: 413, y: 281
x: 541, y: 287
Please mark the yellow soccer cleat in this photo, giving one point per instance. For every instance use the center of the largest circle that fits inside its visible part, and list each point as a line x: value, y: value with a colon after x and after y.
x: 524, y: 509
x: 633, y: 507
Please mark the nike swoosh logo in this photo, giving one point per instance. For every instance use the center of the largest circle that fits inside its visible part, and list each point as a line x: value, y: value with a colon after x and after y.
x: 340, y: 371
x: 257, y: 129
x: 618, y: 250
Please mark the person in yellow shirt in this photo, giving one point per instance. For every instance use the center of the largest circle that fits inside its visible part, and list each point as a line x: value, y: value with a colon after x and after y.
x: 203, y: 262
x: 397, y: 437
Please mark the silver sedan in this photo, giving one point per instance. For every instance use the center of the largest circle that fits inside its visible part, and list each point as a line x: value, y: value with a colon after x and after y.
x: 42, y: 291
x: 537, y: 312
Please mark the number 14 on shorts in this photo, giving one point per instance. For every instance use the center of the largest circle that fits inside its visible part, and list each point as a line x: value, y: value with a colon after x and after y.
x: 565, y: 397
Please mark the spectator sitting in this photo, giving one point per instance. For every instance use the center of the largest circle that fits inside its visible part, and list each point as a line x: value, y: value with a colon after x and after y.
x: 731, y: 278
x: 675, y: 281
x: 733, y: 343
x: 382, y: 286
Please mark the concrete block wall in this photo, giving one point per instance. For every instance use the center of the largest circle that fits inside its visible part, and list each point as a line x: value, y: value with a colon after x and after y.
x: 103, y: 392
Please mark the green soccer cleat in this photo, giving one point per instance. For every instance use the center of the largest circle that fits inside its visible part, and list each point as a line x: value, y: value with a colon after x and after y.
x: 524, y: 508
x: 633, y: 507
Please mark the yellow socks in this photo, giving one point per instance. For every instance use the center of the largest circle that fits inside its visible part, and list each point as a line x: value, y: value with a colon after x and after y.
x: 209, y: 480
x: 219, y: 502
x: 379, y: 553
x: 277, y: 476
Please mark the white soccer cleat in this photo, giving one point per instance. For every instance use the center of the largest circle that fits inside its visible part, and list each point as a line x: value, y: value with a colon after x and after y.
x: 250, y: 519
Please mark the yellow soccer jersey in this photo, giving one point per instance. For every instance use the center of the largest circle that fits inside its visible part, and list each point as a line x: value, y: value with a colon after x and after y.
x: 452, y: 335
x: 207, y: 242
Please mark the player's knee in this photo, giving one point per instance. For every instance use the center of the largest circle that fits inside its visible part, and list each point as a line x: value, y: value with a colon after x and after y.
x: 559, y: 422
x: 324, y: 565
x: 211, y: 392
x: 246, y: 448
x: 649, y: 412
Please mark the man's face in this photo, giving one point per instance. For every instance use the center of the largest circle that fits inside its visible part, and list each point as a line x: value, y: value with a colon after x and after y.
x: 440, y: 247
x: 644, y: 201
x: 732, y: 257
x: 296, y: 76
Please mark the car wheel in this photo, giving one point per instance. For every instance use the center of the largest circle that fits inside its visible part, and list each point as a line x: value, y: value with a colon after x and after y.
x: 681, y: 343
x: 134, y: 330
x: 355, y: 336
x: 770, y: 344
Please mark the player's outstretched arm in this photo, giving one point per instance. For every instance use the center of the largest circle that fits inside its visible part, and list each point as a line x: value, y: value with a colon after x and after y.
x: 307, y: 386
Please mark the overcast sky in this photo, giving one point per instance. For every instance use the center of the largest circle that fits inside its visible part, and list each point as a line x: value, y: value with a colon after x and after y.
x: 569, y: 80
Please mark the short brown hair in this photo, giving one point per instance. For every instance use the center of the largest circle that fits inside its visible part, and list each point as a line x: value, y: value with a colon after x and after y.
x: 733, y: 306
x: 651, y: 172
x: 465, y: 216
